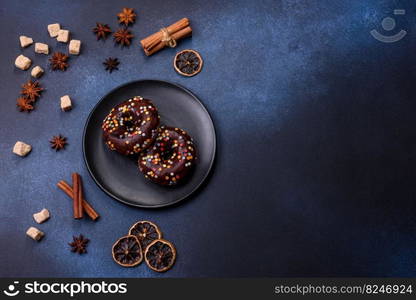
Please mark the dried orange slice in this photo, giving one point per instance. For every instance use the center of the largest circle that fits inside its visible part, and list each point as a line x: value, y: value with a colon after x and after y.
x: 127, y: 251
x: 188, y: 62
x: 160, y: 255
x: 146, y: 232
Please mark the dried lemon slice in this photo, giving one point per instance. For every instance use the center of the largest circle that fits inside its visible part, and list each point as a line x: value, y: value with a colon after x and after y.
x: 188, y: 62
x: 127, y: 251
x: 160, y: 255
x: 146, y: 232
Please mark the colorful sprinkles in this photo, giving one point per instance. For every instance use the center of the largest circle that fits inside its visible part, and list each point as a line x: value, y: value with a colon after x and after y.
x: 170, y: 159
x: 131, y: 126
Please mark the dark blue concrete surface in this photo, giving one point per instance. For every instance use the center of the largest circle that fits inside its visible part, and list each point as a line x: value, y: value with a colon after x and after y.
x: 315, y: 172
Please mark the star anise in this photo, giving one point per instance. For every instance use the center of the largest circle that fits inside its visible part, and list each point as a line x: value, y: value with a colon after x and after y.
x: 58, y: 142
x: 126, y: 16
x: 31, y: 90
x: 123, y: 37
x: 24, y: 104
x: 59, y: 61
x: 111, y: 64
x: 102, y: 31
x: 79, y: 245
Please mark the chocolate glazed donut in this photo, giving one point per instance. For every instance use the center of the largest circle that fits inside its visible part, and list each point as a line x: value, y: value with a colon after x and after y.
x: 170, y: 159
x: 131, y: 126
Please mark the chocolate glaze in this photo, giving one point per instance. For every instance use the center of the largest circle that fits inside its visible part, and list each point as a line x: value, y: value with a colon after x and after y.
x: 171, y: 157
x: 131, y: 126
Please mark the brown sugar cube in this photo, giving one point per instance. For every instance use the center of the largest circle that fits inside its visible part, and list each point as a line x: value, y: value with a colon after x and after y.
x: 22, y: 62
x: 41, y: 216
x: 74, y: 47
x: 37, y: 72
x: 35, y: 233
x: 53, y: 29
x: 41, y: 48
x: 25, y: 41
x: 66, y: 103
x: 63, y: 36
x: 21, y: 149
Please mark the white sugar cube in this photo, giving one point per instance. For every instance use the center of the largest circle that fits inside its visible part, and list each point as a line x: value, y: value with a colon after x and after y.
x: 21, y: 149
x: 35, y: 233
x: 63, y: 36
x: 74, y: 47
x: 41, y: 48
x: 41, y: 216
x: 25, y: 41
x: 37, y: 72
x: 22, y: 62
x: 54, y: 29
x: 66, y: 103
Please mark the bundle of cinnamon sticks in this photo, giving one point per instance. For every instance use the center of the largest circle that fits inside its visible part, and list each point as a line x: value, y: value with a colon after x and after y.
x: 166, y: 37
x: 76, y: 193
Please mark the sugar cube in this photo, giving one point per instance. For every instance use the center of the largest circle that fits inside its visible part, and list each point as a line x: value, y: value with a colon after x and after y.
x: 74, y: 47
x: 41, y: 216
x: 21, y: 149
x: 25, y: 41
x: 41, y: 48
x: 66, y: 103
x: 63, y: 36
x: 54, y: 29
x: 37, y: 72
x: 35, y: 233
x: 22, y: 62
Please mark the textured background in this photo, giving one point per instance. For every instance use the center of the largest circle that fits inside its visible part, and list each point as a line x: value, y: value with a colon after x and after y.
x: 316, y: 139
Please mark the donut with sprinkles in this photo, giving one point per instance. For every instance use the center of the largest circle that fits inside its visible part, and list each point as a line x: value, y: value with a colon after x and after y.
x: 131, y: 126
x: 171, y: 157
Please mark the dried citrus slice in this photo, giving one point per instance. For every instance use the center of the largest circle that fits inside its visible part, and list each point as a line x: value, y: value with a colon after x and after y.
x: 160, y: 255
x: 127, y: 251
x: 188, y: 62
x: 146, y: 232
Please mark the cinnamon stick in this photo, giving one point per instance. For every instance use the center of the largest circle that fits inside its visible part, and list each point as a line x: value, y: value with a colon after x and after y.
x: 178, y: 35
x: 77, y: 195
x: 176, y: 31
x: 89, y: 210
x: 155, y: 38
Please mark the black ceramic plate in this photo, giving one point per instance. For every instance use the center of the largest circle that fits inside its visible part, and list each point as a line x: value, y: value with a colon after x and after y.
x: 119, y: 175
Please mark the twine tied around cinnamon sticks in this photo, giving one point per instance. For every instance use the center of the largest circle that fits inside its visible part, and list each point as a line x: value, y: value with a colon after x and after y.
x: 166, y: 37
